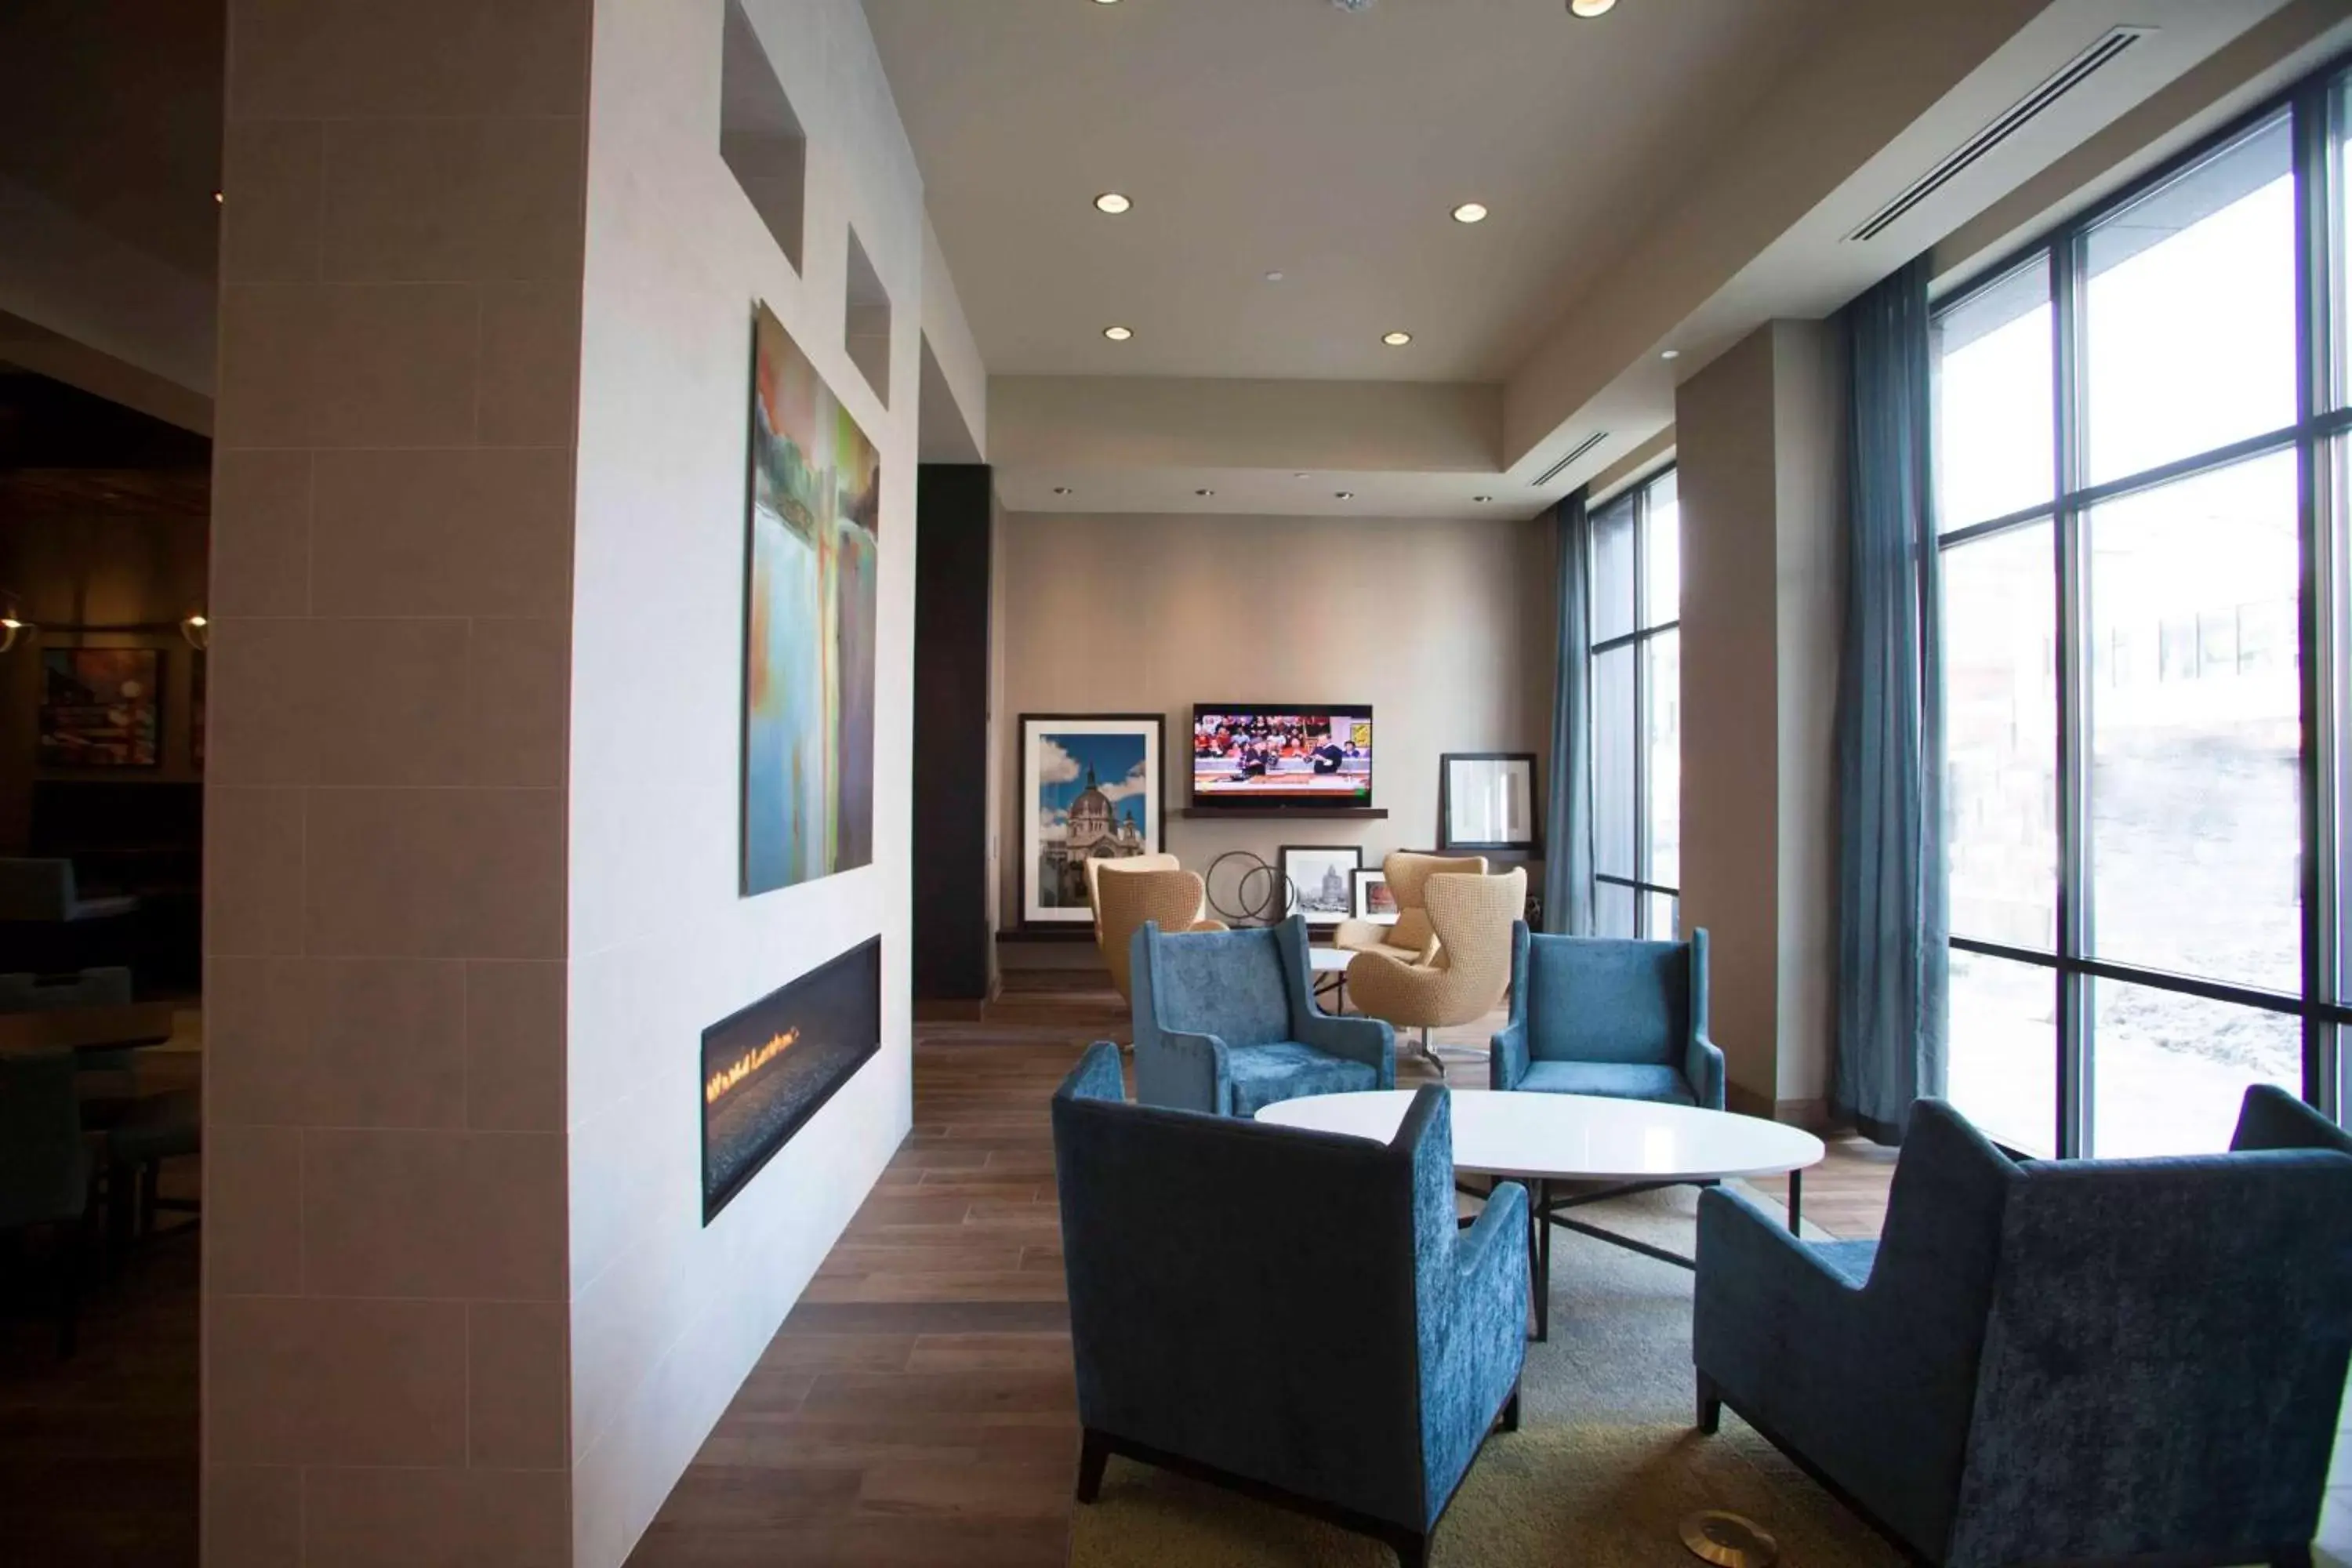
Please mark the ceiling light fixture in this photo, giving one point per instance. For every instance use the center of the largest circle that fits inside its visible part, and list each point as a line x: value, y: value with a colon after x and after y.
x: 1590, y: 7
x: 220, y: 196
x: 1482, y: 500
x: 1111, y: 202
x: 197, y: 629
x: 1118, y: 334
x: 1470, y: 212
x: 1343, y: 495
x: 1061, y: 489
x: 1205, y: 493
x: 1672, y: 354
x: 1302, y: 476
x: 1274, y: 276
x: 1396, y: 339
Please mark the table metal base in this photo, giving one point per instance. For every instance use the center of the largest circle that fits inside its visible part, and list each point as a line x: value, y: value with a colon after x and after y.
x: 1728, y: 1540
x: 1543, y: 1211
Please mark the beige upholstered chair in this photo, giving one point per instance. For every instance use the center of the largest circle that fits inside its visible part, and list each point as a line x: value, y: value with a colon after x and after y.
x: 1125, y: 900
x: 1095, y: 868
x: 1469, y: 970
x: 1410, y: 938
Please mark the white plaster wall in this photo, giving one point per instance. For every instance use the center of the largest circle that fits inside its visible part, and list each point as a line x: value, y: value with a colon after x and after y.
x: 667, y: 1316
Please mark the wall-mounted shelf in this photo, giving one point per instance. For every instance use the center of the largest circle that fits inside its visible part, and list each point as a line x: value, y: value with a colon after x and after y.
x: 1287, y: 813
x: 1072, y: 932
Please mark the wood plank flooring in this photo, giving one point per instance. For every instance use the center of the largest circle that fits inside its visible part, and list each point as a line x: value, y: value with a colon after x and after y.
x: 917, y: 1407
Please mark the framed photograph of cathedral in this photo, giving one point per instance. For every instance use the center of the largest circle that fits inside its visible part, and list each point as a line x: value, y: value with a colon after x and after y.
x: 1090, y: 790
x: 1321, y: 881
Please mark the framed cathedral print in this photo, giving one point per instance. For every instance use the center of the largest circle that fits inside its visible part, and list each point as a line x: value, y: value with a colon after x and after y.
x: 1090, y: 790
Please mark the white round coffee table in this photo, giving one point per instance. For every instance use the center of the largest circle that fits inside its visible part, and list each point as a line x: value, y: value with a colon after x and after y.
x: 1327, y: 967
x: 1623, y: 1145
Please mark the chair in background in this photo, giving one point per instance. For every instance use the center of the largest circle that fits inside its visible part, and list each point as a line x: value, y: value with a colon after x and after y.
x: 1596, y: 1016
x: 2078, y: 1361
x: 1292, y: 1314
x: 1095, y: 867
x: 1468, y: 963
x: 1126, y: 901
x: 1410, y: 938
x: 1225, y: 1022
x: 45, y: 1167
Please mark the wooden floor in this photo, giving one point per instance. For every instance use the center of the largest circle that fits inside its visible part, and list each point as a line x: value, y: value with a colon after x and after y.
x: 917, y: 1407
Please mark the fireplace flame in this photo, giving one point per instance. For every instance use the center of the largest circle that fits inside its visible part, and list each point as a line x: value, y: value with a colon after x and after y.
x: 747, y: 1064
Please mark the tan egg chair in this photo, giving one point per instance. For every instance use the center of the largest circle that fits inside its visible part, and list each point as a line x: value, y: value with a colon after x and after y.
x: 1124, y: 900
x: 1409, y: 939
x: 1094, y: 867
x: 1469, y: 970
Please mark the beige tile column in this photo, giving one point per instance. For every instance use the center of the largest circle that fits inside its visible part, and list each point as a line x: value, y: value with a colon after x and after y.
x: 385, y: 1320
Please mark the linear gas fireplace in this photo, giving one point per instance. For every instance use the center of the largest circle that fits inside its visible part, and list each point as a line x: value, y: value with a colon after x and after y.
x: 768, y: 1068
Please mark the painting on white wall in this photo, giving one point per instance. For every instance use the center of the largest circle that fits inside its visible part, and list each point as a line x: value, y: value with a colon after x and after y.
x: 1090, y: 790
x: 808, y: 630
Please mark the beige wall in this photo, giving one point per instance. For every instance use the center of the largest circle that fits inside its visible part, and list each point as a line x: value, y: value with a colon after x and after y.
x: 1444, y: 628
x: 385, y: 1326
x: 1759, y: 463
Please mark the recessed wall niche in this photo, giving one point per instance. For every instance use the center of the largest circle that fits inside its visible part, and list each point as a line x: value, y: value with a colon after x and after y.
x: 760, y: 137
x: 866, y: 331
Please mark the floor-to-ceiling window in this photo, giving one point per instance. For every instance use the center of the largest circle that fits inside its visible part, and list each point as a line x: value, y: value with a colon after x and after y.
x: 1637, y: 734
x: 2141, y: 509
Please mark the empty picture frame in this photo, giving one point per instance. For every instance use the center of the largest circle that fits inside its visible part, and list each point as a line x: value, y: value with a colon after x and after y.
x: 1487, y: 800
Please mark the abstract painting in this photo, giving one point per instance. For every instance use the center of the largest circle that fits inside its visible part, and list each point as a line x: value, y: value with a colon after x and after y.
x: 99, y: 708
x: 1089, y: 791
x: 809, y: 624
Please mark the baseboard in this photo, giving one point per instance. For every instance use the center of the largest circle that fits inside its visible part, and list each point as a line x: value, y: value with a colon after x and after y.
x: 1813, y: 1115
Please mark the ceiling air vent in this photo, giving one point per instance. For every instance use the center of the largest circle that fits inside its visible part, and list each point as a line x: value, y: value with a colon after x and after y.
x: 1561, y: 467
x: 2008, y: 123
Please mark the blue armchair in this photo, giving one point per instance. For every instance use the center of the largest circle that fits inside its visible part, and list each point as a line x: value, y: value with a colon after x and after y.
x: 2086, y: 1360
x: 1294, y: 1315
x: 1226, y: 1022
x: 1594, y: 1015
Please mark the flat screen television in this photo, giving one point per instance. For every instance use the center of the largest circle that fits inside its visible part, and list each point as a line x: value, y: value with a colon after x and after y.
x: 1255, y: 756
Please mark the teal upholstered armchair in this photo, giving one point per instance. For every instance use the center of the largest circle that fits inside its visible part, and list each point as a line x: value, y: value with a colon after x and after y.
x: 2091, y: 1361
x: 1226, y: 1022
x: 1293, y: 1314
x: 1595, y: 1015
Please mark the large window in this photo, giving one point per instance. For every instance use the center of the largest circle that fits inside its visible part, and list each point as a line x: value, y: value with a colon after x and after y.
x: 1637, y: 733
x: 2141, y: 517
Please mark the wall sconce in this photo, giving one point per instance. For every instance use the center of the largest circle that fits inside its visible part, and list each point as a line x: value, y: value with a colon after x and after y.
x: 197, y: 629
x: 11, y: 627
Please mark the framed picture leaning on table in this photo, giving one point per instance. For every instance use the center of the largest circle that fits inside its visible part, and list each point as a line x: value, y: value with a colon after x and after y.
x: 1373, y: 901
x: 1320, y: 880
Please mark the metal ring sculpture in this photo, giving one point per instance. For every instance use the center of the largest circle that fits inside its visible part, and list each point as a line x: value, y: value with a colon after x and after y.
x: 1275, y: 895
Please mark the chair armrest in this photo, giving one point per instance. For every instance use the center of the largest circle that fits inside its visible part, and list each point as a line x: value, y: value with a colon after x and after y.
x: 1703, y: 1064
x: 1506, y: 1059
x: 1186, y: 1071
x: 1366, y: 1040
x: 1496, y: 1243
x: 1356, y: 934
x: 1480, y: 1343
x: 1769, y: 1317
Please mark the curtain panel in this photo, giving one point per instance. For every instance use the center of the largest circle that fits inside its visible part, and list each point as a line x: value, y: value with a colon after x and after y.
x: 1568, y: 899
x: 1892, y: 917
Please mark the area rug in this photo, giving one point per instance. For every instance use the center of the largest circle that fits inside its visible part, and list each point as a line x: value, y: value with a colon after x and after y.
x: 1603, y: 1468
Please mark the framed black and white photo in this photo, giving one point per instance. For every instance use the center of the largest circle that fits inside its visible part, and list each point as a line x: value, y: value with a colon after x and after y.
x: 1090, y: 790
x: 1373, y: 901
x: 1487, y: 800
x: 1320, y: 880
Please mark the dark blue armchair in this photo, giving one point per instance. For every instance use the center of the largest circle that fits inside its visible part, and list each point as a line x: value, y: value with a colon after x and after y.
x: 2078, y: 1361
x: 1295, y: 1315
x: 1226, y: 1022
x: 1595, y: 1015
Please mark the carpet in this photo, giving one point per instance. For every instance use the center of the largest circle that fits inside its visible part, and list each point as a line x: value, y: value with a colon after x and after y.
x: 1604, y: 1467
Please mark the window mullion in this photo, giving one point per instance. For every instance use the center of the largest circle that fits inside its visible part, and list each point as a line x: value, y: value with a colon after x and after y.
x: 2074, y: 914
x: 2320, y: 601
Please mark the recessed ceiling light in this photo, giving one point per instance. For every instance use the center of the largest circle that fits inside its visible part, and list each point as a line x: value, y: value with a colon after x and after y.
x: 1396, y: 339
x: 1204, y: 492
x: 1112, y: 203
x: 1118, y: 334
x: 1482, y: 500
x: 1582, y: 7
x: 1061, y: 489
x: 1470, y: 212
x: 1343, y: 495
x: 219, y: 197
x: 1302, y: 476
x: 1274, y: 276
x: 1672, y: 354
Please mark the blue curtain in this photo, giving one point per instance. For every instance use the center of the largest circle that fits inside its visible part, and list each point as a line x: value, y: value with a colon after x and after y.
x: 1568, y: 816
x: 1892, y: 918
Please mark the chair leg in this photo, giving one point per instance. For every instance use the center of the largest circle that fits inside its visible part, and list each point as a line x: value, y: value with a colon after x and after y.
x: 150, y: 1181
x: 1511, y: 1418
x: 1429, y: 1054
x: 1093, y: 1454
x: 68, y: 1241
x: 1412, y: 1549
x: 1710, y: 1406
x: 2297, y: 1556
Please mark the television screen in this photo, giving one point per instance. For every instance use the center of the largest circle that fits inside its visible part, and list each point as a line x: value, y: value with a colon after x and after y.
x: 1249, y: 755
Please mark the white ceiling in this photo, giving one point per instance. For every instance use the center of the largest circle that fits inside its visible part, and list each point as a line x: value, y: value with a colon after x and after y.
x: 1257, y: 135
